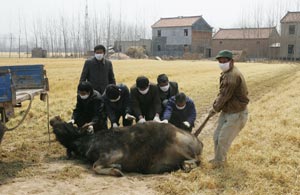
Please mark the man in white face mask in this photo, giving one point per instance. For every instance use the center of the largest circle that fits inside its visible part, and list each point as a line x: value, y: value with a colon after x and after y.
x: 232, y: 102
x: 145, y: 102
x: 98, y: 70
x: 89, y: 112
x: 181, y: 112
x: 166, y: 90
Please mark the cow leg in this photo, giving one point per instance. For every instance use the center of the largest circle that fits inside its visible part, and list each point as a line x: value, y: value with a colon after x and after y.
x: 113, y: 170
x: 188, y: 165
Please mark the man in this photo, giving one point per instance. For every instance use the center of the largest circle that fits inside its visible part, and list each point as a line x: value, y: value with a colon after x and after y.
x: 89, y: 111
x: 166, y: 90
x: 232, y: 101
x: 181, y: 112
x: 98, y: 70
x: 145, y: 102
x: 117, y: 104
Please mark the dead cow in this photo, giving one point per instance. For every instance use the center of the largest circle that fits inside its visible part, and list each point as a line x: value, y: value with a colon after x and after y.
x: 148, y: 148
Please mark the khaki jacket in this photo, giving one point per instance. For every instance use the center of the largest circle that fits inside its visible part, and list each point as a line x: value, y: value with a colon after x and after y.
x: 232, y: 97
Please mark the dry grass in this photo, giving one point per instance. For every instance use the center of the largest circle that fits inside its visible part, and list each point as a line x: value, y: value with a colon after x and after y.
x: 264, y: 159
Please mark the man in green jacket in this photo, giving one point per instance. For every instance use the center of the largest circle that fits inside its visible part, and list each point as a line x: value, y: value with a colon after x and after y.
x: 232, y: 102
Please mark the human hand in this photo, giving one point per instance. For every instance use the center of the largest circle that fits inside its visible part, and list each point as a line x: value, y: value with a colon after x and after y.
x: 187, y: 124
x: 129, y: 117
x: 156, y: 119
x: 211, y: 112
x: 72, y: 121
x: 164, y: 121
x: 90, y: 129
x: 115, y: 125
x: 142, y: 120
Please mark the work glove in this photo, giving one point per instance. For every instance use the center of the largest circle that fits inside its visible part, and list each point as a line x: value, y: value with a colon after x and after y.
x: 187, y: 124
x: 156, y: 119
x: 164, y: 121
x: 90, y: 129
x: 212, y: 112
x: 142, y: 120
x: 115, y: 125
x: 129, y: 117
x: 72, y: 121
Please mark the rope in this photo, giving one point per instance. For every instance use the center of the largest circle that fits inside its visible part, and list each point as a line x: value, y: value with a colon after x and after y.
x: 24, y: 116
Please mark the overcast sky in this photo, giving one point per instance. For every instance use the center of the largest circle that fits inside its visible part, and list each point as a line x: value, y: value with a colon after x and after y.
x: 218, y: 13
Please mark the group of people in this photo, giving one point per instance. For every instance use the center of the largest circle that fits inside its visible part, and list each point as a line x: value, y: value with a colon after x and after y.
x: 100, y: 98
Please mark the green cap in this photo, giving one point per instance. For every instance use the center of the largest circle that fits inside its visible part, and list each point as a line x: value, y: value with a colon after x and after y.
x: 224, y: 54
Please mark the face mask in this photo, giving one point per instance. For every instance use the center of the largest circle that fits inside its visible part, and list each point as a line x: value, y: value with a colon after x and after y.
x: 180, y: 107
x: 165, y: 88
x: 99, y: 56
x: 144, y: 91
x: 224, y: 67
x: 115, y: 100
x: 84, y: 96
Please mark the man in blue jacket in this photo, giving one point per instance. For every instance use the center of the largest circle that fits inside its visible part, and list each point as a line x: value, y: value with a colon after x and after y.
x: 181, y: 112
x: 117, y: 104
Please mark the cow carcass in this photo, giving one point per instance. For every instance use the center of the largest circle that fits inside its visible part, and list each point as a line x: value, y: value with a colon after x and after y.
x: 149, y: 148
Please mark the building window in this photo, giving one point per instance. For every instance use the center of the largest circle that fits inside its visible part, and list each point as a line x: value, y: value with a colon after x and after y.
x: 221, y: 42
x: 159, y: 33
x: 290, y: 49
x: 186, y: 32
x: 158, y: 48
x: 292, y: 29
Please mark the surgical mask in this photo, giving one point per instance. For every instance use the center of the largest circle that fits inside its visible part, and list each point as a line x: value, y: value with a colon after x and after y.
x: 115, y: 100
x: 99, y: 56
x: 180, y: 107
x: 165, y: 88
x: 144, y: 91
x: 224, y: 66
x: 84, y: 96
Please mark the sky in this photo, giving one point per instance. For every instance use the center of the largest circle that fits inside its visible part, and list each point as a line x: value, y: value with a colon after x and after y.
x: 218, y: 13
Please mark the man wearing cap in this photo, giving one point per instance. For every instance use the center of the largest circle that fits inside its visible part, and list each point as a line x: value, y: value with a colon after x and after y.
x: 166, y: 90
x: 98, y: 70
x: 89, y: 111
x: 232, y: 102
x: 181, y: 112
x: 145, y: 102
x: 117, y: 104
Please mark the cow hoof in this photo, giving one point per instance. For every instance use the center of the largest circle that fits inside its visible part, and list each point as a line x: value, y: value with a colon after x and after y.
x: 188, y: 165
x: 116, y: 172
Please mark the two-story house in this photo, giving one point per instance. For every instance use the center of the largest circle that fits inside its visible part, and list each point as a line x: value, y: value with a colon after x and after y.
x: 290, y: 36
x: 179, y: 35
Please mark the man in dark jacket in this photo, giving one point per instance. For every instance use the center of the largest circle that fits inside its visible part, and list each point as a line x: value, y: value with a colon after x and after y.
x: 98, y: 70
x: 232, y: 101
x: 166, y: 90
x: 89, y: 111
x: 181, y: 112
x: 145, y: 102
x: 117, y: 104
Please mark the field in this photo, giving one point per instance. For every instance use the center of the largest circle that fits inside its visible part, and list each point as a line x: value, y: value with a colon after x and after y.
x: 264, y: 158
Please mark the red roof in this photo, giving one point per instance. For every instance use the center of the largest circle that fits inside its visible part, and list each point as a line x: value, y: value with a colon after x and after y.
x: 176, y: 22
x: 244, y: 33
x: 291, y: 17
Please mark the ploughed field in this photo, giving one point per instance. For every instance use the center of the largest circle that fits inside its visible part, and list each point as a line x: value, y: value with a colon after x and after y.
x: 264, y: 158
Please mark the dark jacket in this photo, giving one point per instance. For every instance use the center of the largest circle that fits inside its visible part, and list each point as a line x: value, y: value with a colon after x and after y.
x: 89, y: 110
x: 146, y: 105
x: 119, y: 108
x: 99, y: 73
x: 173, y: 90
x: 176, y: 116
x: 232, y: 97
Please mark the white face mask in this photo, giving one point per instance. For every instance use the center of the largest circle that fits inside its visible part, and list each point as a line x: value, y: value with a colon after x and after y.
x: 180, y: 107
x: 99, y: 56
x: 224, y: 67
x: 84, y: 96
x: 115, y: 100
x: 165, y: 88
x: 144, y: 91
